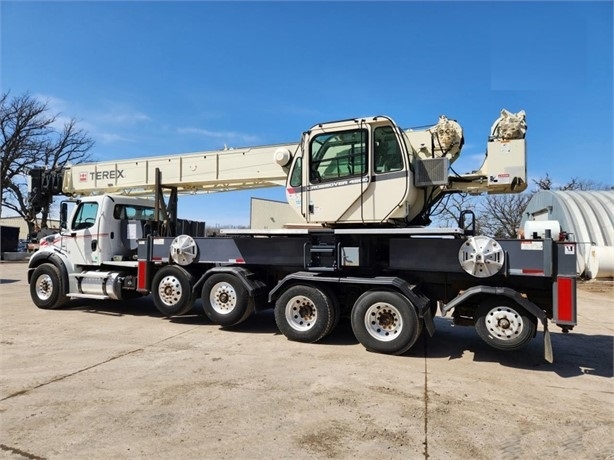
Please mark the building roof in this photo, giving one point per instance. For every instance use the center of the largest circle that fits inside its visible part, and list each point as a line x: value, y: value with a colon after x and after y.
x: 587, y: 216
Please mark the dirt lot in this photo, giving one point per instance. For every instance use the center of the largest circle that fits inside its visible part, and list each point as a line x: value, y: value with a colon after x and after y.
x: 106, y: 380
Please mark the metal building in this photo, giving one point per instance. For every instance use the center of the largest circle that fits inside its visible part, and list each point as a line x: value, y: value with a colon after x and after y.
x: 23, y: 226
x: 271, y: 214
x: 587, y: 217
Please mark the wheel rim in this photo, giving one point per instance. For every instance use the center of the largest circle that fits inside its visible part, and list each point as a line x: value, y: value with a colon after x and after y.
x: 301, y: 313
x: 504, y: 323
x: 383, y: 321
x: 44, y: 287
x: 223, y: 298
x: 170, y: 290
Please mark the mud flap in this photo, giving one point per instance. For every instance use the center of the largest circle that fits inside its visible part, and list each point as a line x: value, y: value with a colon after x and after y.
x: 548, y: 354
x: 428, y: 322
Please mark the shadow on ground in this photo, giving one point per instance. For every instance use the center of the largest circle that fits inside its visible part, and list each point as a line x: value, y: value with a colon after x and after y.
x: 8, y: 281
x: 142, y: 306
x: 575, y: 353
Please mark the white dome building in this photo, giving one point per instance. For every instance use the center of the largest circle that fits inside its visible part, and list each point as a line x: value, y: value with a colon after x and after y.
x: 586, y: 216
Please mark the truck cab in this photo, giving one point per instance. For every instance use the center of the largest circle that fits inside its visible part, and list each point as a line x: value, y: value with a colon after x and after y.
x: 94, y: 255
x: 103, y: 229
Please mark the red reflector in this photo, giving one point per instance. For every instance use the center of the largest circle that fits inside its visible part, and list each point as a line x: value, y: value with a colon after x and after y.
x: 532, y: 271
x: 141, y: 278
x: 565, y: 301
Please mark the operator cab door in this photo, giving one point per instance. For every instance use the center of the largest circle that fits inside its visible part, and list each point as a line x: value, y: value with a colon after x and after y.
x: 388, y: 188
x: 336, y: 174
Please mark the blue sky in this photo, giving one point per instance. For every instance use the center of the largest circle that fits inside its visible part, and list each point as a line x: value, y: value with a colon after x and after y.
x: 154, y: 78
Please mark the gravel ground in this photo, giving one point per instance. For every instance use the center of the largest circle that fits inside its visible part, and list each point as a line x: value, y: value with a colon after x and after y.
x: 103, y: 380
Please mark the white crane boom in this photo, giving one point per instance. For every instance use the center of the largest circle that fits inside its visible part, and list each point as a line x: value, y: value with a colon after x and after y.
x: 211, y: 171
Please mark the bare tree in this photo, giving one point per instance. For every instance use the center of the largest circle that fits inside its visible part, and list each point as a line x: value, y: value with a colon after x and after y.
x: 500, y: 215
x: 24, y: 129
x: 448, y: 212
x: 29, y: 138
x: 544, y: 183
x: 575, y: 183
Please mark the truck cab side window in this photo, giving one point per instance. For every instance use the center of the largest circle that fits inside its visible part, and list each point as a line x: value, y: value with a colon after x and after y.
x: 85, y: 216
x: 133, y: 212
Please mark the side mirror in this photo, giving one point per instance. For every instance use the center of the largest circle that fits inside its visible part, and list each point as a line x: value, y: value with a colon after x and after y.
x: 63, y: 215
x: 466, y: 221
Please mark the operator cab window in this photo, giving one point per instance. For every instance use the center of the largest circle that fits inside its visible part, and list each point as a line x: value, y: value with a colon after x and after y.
x: 336, y: 156
x: 296, y: 177
x: 387, y: 155
x: 85, y: 216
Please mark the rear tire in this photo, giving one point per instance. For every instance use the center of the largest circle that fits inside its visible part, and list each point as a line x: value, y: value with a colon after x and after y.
x: 503, y: 324
x: 385, y: 322
x: 225, y: 300
x: 335, y: 309
x: 172, y: 291
x: 305, y: 313
x: 46, y: 287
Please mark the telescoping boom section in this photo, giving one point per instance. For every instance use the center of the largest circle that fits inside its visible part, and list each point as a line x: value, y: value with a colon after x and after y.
x: 361, y: 186
x: 222, y: 170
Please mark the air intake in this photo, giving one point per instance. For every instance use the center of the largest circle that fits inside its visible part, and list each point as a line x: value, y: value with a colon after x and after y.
x: 431, y: 171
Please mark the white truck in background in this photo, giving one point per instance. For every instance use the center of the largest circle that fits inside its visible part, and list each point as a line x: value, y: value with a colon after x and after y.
x: 364, y: 188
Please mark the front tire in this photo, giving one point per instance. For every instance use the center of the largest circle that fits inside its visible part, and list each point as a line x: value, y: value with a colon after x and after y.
x: 385, y: 322
x: 305, y: 313
x: 503, y: 324
x: 46, y: 287
x: 172, y: 291
x: 225, y: 300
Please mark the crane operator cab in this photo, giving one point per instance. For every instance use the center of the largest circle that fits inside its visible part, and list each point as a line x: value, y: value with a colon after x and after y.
x: 358, y: 171
x: 371, y: 172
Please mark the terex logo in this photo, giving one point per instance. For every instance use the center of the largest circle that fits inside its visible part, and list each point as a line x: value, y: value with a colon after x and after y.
x: 111, y: 174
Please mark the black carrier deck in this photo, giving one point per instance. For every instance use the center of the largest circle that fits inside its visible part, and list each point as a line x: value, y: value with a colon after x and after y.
x: 390, y: 282
x: 418, y: 252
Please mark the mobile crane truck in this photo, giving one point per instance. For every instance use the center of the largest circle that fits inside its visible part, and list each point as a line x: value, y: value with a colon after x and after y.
x: 365, y: 189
